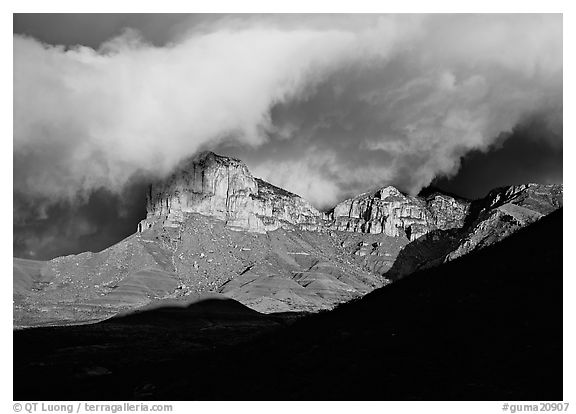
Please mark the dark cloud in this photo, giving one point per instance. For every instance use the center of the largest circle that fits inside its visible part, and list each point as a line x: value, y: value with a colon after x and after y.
x: 532, y: 153
x: 43, y: 230
x: 96, y: 28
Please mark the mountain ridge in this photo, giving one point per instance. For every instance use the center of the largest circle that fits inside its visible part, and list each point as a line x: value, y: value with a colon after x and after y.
x: 248, y: 203
x: 226, y: 189
x: 213, y: 227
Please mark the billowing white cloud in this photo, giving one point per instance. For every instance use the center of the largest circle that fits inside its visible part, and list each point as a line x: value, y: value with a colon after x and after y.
x: 459, y: 85
x: 396, y: 99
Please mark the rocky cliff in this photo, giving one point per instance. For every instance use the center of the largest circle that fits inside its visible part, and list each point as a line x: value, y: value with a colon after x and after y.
x: 389, y: 211
x: 223, y: 188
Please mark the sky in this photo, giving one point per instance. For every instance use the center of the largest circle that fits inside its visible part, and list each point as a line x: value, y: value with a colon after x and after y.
x: 326, y: 106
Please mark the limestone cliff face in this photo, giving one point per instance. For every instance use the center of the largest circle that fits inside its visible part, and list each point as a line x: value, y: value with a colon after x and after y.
x: 223, y: 188
x: 395, y: 214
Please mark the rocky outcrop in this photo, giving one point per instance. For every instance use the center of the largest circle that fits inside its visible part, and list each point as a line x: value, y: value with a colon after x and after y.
x: 222, y: 187
x: 389, y: 211
x: 540, y: 198
x: 504, y: 211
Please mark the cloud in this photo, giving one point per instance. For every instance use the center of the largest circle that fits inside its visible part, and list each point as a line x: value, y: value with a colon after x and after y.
x: 89, y: 118
x: 530, y: 154
x: 462, y: 84
x: 311, y: 175
x: 325, y: 105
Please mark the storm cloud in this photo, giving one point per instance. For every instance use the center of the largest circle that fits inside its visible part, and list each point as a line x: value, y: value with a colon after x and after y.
x: 325, y: 106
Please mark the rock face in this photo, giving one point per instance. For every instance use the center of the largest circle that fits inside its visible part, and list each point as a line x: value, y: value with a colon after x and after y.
x: 390, y: 212
x: 505, y: 210
x: 223, y: 188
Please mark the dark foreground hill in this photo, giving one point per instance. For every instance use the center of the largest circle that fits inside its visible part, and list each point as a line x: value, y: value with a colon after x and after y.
x: 486, y: 326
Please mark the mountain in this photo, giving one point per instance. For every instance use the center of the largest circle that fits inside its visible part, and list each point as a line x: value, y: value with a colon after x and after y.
x: 223, y: 188
x: 213, y: 227
x: 485, y: 326
x: 505, y: 210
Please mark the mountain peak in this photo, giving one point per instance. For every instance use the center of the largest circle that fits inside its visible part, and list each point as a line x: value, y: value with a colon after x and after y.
x: 389, y: 211
x: 223, y: 187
